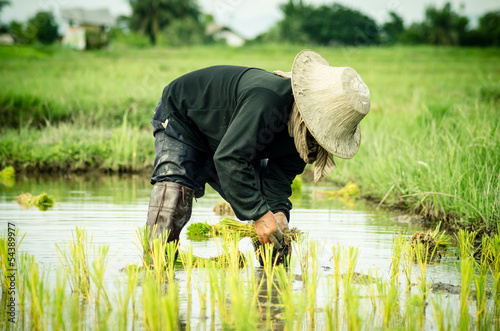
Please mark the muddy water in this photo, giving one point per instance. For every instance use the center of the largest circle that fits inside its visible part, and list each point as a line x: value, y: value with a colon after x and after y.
x: 112, y: 208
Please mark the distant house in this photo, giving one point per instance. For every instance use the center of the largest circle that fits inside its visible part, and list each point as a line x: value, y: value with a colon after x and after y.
x: 223, y: 33
x: 86, y: 27
x: 6, y: 39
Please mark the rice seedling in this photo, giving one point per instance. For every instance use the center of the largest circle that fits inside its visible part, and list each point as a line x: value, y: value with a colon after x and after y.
x: 38, y: 294
x: 310, y: 277
x: 97, y: 274
x: 423, y: 255
x: 101, y: 317
x: 332, y: 315
x: 414, y: 318
x: 466, y: 276
x: 160, y: 310
x: 157, y: 269
x: 58, y: 302
x: 491, y: 260
x: 76, y: 313
x: 213, y: 283
x: 353, y: 318
x: 76, y: 261
x: 243, y: 304
x: 480, y: 284
x: 9, y: 248
x: 132, y: 283
x: 442, y: 314
x: 408, y: 258
x: 390, y: 301
x: 269, y: 263
x: 188, y: 264
x: 396, y: 258
x: 287, y: 298
x: 21, y: 286
x: 122, y: 298
x: 141, y: 242
x: 170, y: 250
x: 337, y: 258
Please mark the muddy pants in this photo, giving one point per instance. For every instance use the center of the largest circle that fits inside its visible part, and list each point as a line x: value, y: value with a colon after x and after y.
x: 178, y: 161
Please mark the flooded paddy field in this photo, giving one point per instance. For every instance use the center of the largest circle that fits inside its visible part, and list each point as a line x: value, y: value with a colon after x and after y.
x: 352, y: 268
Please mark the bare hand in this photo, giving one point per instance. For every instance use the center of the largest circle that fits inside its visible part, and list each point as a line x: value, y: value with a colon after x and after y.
x: 282, y: 220
x: 268, y: 230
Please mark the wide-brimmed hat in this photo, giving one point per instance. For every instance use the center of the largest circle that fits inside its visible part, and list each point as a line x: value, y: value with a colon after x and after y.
x: 332, y: 101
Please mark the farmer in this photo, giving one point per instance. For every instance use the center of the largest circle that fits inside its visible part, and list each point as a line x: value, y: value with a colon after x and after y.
x: 247, y: 133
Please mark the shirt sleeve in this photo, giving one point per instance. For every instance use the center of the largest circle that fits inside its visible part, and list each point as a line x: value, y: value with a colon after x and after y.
x: 277, y: 182
x: 260, y: 114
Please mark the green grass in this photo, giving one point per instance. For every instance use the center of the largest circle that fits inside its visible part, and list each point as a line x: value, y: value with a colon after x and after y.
x: 429, y: 144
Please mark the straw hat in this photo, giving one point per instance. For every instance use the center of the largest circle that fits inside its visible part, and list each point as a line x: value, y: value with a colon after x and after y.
x: 332, y: 101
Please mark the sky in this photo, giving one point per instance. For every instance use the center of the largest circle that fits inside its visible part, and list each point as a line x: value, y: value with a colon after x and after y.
x: 252, y: 17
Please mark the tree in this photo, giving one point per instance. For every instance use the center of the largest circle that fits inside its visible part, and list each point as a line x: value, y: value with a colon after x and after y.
x: 489, y: 28
x: 44, y: 27
x: 152, y: 16
x: 326, y: 25
x: 4, y: 3
x: 444, y: 26
x: 394, y: 28
x: 41, y: 27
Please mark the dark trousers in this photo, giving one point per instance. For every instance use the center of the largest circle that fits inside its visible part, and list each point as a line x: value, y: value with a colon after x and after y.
x: 178, y: 161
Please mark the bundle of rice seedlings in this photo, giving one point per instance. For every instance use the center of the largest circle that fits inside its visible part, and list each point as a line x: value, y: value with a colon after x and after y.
x: 25, y: 200
x: 7, y: 176
x: 197, y: 231
x: 42, y: 201
x: 223, y: 208
x: 431, y: 239
x: 350, y: 190
x: 7, y: 173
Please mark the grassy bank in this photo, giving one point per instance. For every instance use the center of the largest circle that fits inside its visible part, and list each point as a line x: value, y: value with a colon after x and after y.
x: 430, y: 142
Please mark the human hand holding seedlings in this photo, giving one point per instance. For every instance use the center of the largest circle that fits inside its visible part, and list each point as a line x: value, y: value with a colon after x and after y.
x: 268, y: 230
x: 282, y: 220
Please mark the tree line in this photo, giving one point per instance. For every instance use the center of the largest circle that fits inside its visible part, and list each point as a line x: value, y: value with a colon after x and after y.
x: 182, y: 22
x: 336, y: 24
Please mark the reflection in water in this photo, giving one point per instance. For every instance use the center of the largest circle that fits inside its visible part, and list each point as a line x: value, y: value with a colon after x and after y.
x: 270, y: 305
x: 113, y: 207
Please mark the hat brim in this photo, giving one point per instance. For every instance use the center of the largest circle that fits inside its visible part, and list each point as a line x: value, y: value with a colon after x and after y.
x: 304, y: 81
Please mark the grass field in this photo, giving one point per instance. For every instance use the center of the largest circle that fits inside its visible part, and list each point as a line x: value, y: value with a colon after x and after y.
x: 430, y: 142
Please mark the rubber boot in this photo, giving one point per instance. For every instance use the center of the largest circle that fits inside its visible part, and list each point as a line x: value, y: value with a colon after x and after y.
x: 169, y: 210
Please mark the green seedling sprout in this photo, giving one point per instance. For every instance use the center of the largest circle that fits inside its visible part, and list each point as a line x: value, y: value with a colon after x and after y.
x: 9, y: 248
x: 75, y: 261
x: 423, y: 256
x: 97, y: 274
x: 38, y: 294
x: 58, y: 302
x: 132, y: 283
x: 76, y: 313
x: 243, y: 305
x: 389, y: 296
x: 286, y: 296
x: 466, y: 275
x: 408, y: 258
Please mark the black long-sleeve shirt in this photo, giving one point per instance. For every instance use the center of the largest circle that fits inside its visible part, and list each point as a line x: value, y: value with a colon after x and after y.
x: 238, y: 115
